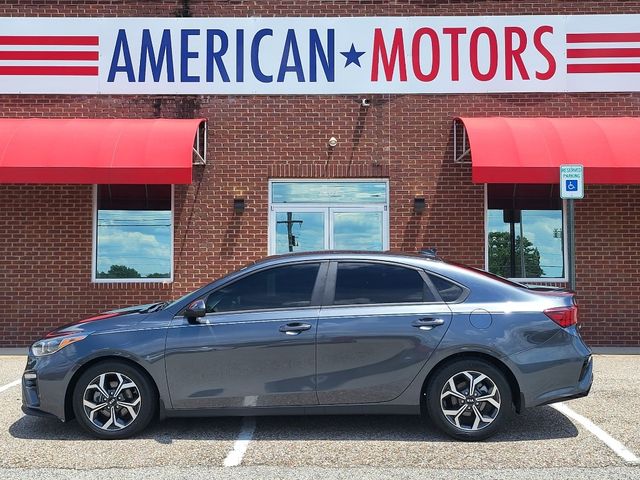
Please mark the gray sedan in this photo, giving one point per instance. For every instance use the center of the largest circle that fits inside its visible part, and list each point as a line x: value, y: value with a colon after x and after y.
x: 319, y: 333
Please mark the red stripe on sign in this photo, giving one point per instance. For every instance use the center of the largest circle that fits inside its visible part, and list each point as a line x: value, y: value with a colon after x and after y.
x: 602, y: 37
x: 604, y: 68
x: 42, y: 55
x: 36, y: 70
x: 48, y: 40
x: 602, y: 52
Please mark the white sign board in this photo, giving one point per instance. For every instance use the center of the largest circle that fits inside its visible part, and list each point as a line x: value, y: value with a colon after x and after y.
x: 307, y: 56
x: 571, y: 181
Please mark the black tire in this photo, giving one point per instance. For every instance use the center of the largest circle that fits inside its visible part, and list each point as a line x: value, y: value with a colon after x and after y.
x: 145, y: 408
x: 439, y: 384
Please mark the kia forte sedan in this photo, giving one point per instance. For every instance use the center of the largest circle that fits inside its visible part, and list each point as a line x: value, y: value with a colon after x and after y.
x: 319, y: 333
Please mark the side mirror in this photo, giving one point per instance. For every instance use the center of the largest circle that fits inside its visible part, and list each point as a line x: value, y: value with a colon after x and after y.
x: 196, y: 309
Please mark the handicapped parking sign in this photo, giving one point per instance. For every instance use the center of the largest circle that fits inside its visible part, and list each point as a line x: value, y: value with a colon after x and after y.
x: 571, y: 181
x: 571, y: 185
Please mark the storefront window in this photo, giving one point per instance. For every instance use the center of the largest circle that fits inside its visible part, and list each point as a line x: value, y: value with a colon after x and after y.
x: 329, y: 192
x: 336, y: 215
x: 525, y: 231
x: 133, y: 233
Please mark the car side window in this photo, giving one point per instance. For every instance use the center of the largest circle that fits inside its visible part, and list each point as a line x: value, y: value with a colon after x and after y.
x: 449, y: 291
x: 288, y: 286
x: 367, y: 283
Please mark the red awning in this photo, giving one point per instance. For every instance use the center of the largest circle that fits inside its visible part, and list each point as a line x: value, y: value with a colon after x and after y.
x: 103, y: 151
x: 531, y: 150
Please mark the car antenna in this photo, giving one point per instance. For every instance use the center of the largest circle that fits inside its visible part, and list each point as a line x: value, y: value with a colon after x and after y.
x: 429, y: 252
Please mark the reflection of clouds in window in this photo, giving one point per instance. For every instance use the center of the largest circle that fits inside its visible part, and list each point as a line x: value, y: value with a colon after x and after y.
x: 540, y: 227
x: 495, y: 222
x: 136, y: 239
x: 358, y: 230
x: 325, y: 192
x: 307, y: 229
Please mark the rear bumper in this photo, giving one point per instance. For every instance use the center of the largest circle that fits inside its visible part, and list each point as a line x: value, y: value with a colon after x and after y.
x: 560, y: 369
x: 581, y: 390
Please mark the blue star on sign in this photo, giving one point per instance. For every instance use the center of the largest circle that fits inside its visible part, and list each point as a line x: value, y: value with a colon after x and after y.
x: 352, y: 56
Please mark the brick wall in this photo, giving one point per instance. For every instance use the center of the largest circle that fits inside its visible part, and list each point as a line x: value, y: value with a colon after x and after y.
x: 46, y: 231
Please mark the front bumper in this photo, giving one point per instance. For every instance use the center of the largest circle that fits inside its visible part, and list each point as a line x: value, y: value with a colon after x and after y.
x: 44, y: 385
x: 35, y: 412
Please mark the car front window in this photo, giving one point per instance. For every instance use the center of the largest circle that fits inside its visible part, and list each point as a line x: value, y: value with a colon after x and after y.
x: 288, y: 286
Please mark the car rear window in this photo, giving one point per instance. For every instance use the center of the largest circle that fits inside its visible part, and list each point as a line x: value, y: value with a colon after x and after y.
x: 373, y: 283
x: 449, y: 291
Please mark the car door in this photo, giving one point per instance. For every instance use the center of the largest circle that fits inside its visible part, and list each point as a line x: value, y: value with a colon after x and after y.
x: 381, y: 323
x: 256, y: 344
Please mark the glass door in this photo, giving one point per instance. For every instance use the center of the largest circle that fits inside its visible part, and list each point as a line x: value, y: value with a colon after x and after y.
x: 308, y: 215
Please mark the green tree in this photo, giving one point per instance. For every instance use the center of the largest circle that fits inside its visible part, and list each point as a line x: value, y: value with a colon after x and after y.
x: 158, y: 275
x: 500, y: 255
x: 120, y: 271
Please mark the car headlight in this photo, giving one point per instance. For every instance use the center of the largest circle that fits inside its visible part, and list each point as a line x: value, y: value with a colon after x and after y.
x: 47, y: 346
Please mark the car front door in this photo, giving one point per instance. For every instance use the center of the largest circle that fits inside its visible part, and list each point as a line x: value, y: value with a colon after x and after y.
x: 254, y: 347
x: 382, y: 322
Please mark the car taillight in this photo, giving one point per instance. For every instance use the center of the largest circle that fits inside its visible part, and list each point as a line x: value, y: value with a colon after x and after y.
x: 563, y: 316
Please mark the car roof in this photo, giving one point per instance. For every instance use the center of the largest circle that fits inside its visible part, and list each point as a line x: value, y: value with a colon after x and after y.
x: 348, y: 254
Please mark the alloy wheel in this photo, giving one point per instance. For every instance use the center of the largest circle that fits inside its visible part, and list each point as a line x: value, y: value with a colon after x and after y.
x: 111, y: 401
x: 470, y: 400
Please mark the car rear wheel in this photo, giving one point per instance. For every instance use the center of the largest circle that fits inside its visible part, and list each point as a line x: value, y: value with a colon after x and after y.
x: 469, y: 399
x: 114, y: 400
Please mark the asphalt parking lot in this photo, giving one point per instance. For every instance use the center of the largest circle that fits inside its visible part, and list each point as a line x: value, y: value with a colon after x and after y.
x: 541, y: 443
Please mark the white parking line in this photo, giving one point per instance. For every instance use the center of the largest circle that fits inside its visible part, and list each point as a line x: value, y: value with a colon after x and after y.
x: 9, y: 385
x: 234, y: 458
x: 619, y: 449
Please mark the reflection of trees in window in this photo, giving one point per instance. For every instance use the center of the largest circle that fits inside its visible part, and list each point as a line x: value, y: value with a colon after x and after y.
x: 525, y: 255
x: 122, y: 271
x: 525, y: 237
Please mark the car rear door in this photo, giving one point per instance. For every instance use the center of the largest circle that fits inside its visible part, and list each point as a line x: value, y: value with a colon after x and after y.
x: 379, y: 325
x: 255, y: 346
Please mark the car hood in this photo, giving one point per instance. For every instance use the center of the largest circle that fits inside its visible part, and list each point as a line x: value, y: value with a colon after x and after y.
x: 110, y: 320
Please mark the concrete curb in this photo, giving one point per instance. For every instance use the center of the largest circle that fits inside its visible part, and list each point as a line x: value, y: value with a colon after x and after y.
x: 14, y: 351
x: 616, y: 350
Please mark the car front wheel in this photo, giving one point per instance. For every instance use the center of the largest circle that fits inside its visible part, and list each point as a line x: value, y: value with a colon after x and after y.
x: 113, y: 400
x: 469, y: 399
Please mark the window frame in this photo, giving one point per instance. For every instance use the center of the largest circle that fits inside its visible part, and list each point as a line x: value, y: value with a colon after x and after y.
x: 327, y: 209
x: 94, y: 247
x: 565, y: 253
x: 316, y: 293
x: 332, y: 277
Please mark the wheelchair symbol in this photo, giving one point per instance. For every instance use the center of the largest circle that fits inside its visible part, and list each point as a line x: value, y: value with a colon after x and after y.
x: 571, y: 185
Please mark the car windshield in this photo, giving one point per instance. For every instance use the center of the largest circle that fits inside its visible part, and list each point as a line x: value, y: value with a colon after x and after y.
x: 173, y: 302
x: 178, y: 300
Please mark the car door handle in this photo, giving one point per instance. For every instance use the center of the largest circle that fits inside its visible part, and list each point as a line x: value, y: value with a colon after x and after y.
x: 294, y: 328
x: 427, y: 323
